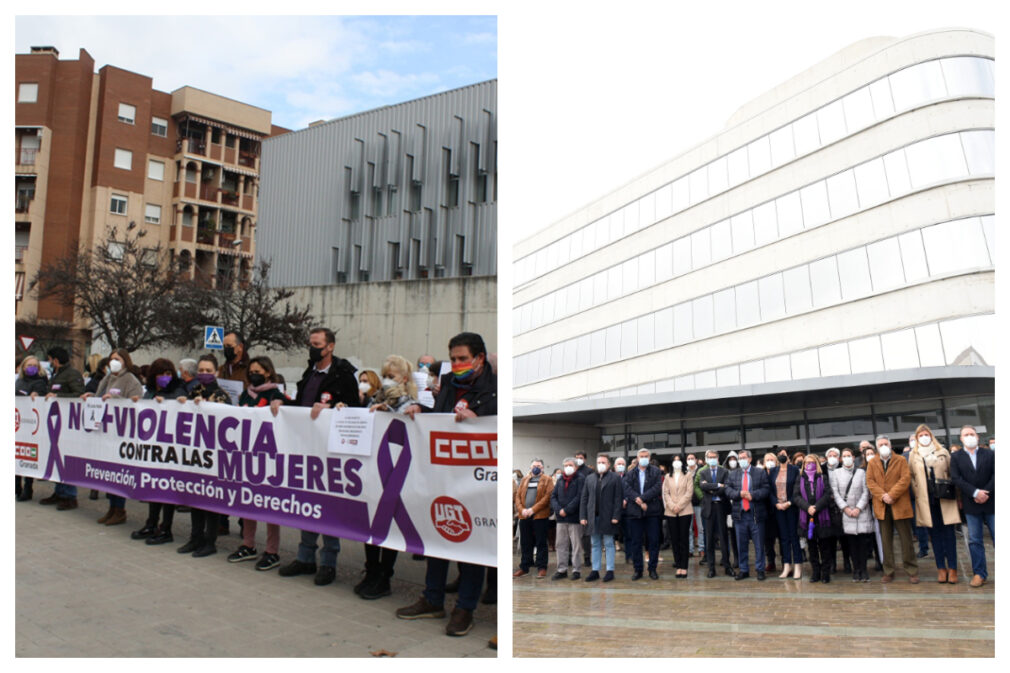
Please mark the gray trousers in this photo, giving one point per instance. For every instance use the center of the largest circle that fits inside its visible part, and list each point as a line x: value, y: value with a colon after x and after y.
x: 568, y: 544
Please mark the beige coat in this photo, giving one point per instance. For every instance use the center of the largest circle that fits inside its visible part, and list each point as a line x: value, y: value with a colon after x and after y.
x: 542, y: 507
x: 941, y: 468
x: 678, y: 498
x: 894, y: 482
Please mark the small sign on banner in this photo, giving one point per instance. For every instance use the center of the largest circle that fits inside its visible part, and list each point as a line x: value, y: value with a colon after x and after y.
x: 233, y: 388
x: 94, y: 412
x: 351, y: 431
x: 213, y: 338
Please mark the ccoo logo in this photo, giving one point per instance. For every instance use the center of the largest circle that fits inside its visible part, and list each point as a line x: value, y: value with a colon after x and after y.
x: 451, y: 519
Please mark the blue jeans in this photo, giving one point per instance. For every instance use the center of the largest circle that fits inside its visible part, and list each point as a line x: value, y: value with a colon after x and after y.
x: 789, y: 539
x: 327, y: 555
x: 649, y: 526
x: 600, y: 542
x: 944, y: 542
x: 471, y: 578
x: 748, y: 528
x: 65, y: 490
x: 975, y: 521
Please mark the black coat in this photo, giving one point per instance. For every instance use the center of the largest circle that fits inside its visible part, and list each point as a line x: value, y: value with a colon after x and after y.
x: 33, y: 384
x: 339, y: 385
x: 968, y: 478
x: 824, y: 502
x: 652, y: 495
x: 791, y: 473
x: 567, y: 499
x: 175, y: 389
x: 758, y: 489
x: 598, y: 514
x: 709, y: 485
x: 481, y: 398
x: 67, y: 382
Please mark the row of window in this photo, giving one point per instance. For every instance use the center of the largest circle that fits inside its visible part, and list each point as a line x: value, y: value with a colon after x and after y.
x: 912, y: 87
x: 124, y: 159
x: 118, y: 205
x: 928, y: 162
x: 898, y: 261
x: 968, y: 340
x: 28, y: 92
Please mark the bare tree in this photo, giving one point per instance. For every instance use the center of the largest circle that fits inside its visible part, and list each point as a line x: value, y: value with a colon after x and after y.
x: 264, y: 316
x: 131, y: 294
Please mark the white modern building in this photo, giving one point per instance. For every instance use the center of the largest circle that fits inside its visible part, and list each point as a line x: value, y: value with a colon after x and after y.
x: 820, y: 272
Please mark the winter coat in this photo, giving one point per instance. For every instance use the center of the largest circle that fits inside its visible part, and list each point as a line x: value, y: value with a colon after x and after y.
x: 175, y: 389
x: 833, y: 527
x: 920, y: 490
x: 599, y: 514
x: 858, y: 496
x: 262, y: 399
x: 652, y: 495
x: 396, y: 398
x: 211, y: 393
x: 38, y: 384
x: 567, y: 498
x: 68, y: 382
x: 679, y: 497
x: 123, y: 385
x: 542, y: 506
x: 895, y: 481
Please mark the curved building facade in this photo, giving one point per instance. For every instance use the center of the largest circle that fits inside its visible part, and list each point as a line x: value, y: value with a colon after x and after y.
x: 820, y: 272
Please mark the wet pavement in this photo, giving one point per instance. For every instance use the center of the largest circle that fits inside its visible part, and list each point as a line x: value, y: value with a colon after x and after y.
x: 722, y: 617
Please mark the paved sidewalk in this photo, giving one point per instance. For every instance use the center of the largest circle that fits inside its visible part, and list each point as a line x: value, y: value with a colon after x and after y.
x: 88, y: 590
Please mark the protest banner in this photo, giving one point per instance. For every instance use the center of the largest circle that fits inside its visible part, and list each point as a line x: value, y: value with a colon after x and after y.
x: 425, y: 486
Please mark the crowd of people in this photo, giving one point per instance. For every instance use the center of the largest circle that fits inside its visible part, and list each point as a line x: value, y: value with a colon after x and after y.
x: 468, y: 390
x: 810, y: 506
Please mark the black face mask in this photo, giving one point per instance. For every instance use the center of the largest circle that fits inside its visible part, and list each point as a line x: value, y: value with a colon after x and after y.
x: 783, y: 457
x: 229, y: 353
x: 315, y: 354
x: 257, y: 379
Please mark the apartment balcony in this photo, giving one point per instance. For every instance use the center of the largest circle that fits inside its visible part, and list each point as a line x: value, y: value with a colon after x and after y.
x: 22, y: 202
x: 206, y: 233
x: 27, y: 155
x: 247, y: 159
x: 191, y: 146
x: 20, y: 252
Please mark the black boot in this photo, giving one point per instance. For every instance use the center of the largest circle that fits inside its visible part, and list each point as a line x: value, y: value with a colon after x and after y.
x: 815, y: 575
x: 378, y: 588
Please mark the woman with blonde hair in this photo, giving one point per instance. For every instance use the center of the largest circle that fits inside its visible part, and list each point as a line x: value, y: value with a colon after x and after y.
x: 30, y: 380
x: 935, y: 500
x: 368, y: 386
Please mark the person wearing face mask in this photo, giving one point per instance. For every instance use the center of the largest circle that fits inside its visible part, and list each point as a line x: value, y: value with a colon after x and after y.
x: 163, y: 384
x: 565, y: 502
x: 678, y: 487
x: 600, y: 509
x: 31, y: 382
x: 936, y: 500
x: 921, y: 533
x: 797, y: 459
x: 714, y: 508
x: 769, y: 463
x: 888, y: 479
x: 852, y: 498
x: 973, y: 471
x: 583, y: 469
x: 120, y: 383
x: 731, y: 465
x: 812, y: 498
x: 747, y: 490
x: 696, y: 539
x: 532, y: 505
x: 870, y: 454
x: 65, y: 381
x: 236, y: 359
x: 369, y: 385
x: 621, y: 537
x: 643, y: 488
x: 830, y: 464
x: 781, y: 484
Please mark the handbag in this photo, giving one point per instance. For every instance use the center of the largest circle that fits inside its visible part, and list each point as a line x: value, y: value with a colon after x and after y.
x: 942, y: 489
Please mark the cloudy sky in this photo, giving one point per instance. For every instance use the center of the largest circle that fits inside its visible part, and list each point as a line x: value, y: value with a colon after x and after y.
x: 301, y: 68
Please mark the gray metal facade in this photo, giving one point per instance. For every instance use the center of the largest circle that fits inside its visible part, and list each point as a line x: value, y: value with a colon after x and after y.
x: 406, y: 191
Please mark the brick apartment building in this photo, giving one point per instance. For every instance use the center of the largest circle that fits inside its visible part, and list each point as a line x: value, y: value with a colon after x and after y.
x: 100, y: 150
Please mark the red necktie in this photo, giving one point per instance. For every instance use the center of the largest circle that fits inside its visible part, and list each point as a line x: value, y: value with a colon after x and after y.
x: 746, y: 487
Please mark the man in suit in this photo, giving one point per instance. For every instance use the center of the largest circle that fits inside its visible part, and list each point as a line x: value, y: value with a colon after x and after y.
x: 973, y: 471
x: 747, y: 490
x: 714, y: 507
x: 600, y: 509
x: 643, y: 489
x: 888, y: 479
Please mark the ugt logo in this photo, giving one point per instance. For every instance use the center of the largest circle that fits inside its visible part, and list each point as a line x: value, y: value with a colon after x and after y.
x: 451, y: 519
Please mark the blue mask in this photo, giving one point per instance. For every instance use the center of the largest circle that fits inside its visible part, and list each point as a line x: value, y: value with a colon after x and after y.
x: 535, y: 471
x: 712, y: 462
x: 744, y: 463
x: 644, y: 462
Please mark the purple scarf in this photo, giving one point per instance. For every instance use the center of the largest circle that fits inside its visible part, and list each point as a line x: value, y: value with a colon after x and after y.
x: 823, y: 517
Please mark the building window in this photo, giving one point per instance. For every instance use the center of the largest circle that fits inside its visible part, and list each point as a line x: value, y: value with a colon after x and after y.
x: 152, y: 214
x: 149, y: 257
x: 156, y: 170
x: 415, y: 197
x: 28, y: 92
x: 117, y: 204
x: 117, y: 251
x: 124, y: 159
x: 159, y: 126
x: 127, y: 113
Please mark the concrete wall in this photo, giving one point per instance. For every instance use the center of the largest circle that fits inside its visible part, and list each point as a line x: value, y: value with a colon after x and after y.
x: 373, y: 320
x: 552, y: 443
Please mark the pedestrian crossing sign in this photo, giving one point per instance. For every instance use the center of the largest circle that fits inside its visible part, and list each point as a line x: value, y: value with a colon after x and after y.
x: 213, y: 337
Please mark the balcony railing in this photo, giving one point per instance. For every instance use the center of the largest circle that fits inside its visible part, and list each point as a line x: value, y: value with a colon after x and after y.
x: 27, y: 156
x: 193, y: 146
x: 205, y: 234
x: 22, y: 202
x: 247, y: 159
x: 19, y: 253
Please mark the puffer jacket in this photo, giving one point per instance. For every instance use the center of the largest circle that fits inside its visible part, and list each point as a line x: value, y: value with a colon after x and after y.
x: 858, y: 496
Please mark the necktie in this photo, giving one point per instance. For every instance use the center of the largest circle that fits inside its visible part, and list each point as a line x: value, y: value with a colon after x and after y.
x: 746, y: 487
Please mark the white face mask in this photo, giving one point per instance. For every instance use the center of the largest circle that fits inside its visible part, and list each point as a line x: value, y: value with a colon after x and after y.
x: 770, y: 464
x: 677, y: 465
x: 847, y: 461
x: 643, y: 462
x: 744, y: 463
x: 364, y: 387
x: 388, y: 382
x: 832, y: 461
x: 601, y: 467
x: 691, y: 462
x: 115, y: 366
x: 870, y: 457
x: 580, y: 462
x: 925, y: 440
x: 884, y: 450
x: 970, y: 442
x: 569, y: 470
x: 732, y: 464
x: 620, y: 467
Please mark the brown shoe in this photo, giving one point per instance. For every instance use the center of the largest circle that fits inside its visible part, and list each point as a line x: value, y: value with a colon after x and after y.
x: 460, y: 622
x: 941, y: 575
x: 118, y: 517
x: 542, y: 573
x: 520, y: 573
x: 913, y: 579
x: 67, y: 503
x: 951, y: 576
x: 51, y: 500
x: 976, y: 581
x: 108, y: 515
x: 886, y: 578
x: 422, y: 609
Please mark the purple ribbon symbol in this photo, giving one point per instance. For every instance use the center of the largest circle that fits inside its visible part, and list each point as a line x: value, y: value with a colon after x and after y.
x: 393, y: 477
x: 53, y: 426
